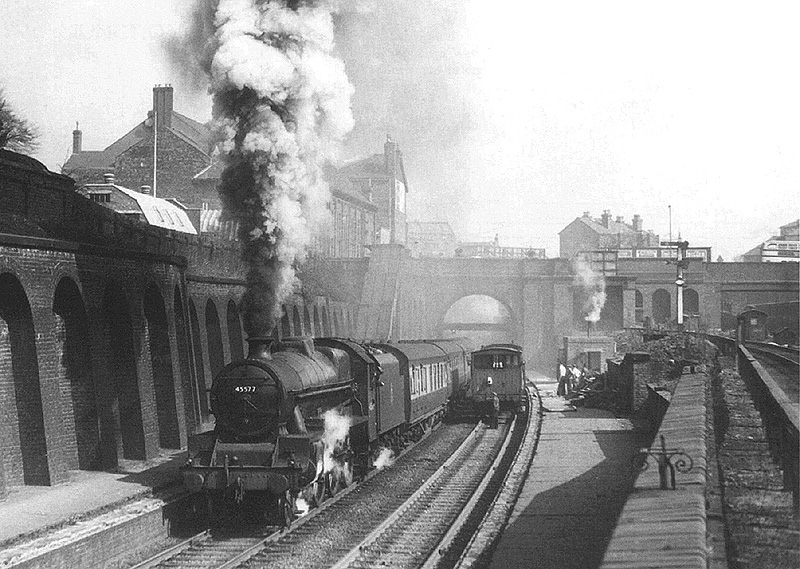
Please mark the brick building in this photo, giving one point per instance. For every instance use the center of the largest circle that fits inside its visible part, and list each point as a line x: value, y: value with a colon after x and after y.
x: 181, y: 147
x: 382, y: 178
x: 589, y: 234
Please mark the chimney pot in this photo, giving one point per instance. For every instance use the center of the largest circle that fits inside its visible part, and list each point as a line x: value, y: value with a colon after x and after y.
x: 108, y: 178
x: 162, y: 105
x: 77, y: 139
x: 586, y: 214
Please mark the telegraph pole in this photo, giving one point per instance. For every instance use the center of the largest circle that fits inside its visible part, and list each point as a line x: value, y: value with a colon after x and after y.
x: 681, y: 262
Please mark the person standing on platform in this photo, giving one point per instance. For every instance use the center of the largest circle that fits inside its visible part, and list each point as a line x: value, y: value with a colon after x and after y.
x: 495, y: 411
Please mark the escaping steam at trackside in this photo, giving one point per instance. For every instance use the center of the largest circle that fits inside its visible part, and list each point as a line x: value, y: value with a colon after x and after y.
x: 594, y: 288
x: 281, y: 106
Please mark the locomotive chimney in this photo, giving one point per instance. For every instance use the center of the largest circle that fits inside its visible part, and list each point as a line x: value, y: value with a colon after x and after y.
x: 259, y: 347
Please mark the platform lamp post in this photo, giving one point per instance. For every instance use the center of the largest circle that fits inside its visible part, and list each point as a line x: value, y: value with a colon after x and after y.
x: 681, y: 262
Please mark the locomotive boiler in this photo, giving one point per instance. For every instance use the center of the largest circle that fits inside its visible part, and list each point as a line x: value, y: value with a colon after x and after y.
x: 283, y: 423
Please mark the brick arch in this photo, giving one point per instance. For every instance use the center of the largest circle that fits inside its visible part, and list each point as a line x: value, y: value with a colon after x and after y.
x: 123, y: 401
x: 234, y: 323
x: 25, y: 461
x: 507, y: 331
x: 74, y: 373
x: 307, y: 330
x: 691, y: 301
x: 662, y: 306
x: 216, y: 351
x: 297, y: 324
x: 187, y: 380
x: 157, y: 329
x: 203, y: 382
x: 318, y: 332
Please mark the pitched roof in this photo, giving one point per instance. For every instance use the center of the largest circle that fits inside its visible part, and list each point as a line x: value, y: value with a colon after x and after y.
x: 192, y: 132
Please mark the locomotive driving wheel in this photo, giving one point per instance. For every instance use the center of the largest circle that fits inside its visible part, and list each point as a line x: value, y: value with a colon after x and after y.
x: 340, y: 478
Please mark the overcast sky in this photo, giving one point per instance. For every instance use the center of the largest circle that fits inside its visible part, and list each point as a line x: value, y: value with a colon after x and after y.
x: 512, y: 122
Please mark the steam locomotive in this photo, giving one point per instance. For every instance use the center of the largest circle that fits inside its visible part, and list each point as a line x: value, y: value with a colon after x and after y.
x: 297, y: 417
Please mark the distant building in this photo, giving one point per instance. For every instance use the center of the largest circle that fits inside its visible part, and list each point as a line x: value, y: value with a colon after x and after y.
x: 588, y: 234
x: 382, y: 179
x: 431, y: 239
x: 777, y: 249
x: 140, y: 205
x: 183, y: 150
x: 493, y: 249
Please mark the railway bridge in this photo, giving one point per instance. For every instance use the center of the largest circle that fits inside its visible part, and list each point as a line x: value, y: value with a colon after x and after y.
x: 111, y: 330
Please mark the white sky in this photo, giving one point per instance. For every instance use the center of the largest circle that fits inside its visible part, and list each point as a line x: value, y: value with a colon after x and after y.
x: 574, y: 107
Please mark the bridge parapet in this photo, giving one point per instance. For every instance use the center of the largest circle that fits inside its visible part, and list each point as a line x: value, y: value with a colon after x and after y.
x: 668, y: 527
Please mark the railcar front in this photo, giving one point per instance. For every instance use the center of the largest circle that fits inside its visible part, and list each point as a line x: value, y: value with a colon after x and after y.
x: 498, y: 368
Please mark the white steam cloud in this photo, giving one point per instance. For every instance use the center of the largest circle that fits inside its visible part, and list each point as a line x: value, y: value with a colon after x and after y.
x: 594, y: 287
x: 384, y: 459
x: 337, y: 428
x: 282, y: 107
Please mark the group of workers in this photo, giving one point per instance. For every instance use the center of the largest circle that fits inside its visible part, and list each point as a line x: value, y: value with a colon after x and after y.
x: 571, y: 379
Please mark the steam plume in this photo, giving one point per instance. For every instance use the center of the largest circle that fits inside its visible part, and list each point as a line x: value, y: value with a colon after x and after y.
x: 337, y: 428
x: 594, y: 286
x: 281, y: 105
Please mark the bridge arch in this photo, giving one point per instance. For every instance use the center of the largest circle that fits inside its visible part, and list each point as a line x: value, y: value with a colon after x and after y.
x: 234, y: 322
x: 161, y: 364
x: 75, y: 374
x: 481, y: 317
x: 19, y: 377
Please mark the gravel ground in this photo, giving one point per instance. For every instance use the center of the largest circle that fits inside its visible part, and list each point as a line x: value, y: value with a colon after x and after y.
x: 321, y: 543
x: 762, y: 530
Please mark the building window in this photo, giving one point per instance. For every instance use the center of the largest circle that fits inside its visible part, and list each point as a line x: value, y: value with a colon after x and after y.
x: 104, y: 197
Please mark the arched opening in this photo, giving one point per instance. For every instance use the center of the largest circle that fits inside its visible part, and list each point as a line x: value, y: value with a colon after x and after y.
x: 662, y: 307
x: 235, y: 332
x: 126, y: 407
x: 297, y: 325
x: 203, y: 380
x: 483, y: 319
x: 25, y: 459
x: 326, y: 324
x: 161, y: 364
x: 638, y: 306
x: 286, y: 327
x: 216, y: 351
x: 75, y: 374
x: 188, y: 382
x: 307, y: 331
x: 317, y: 323
x: 691, y: 301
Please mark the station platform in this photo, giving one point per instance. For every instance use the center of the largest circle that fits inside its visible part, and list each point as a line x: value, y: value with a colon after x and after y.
x: 576, y: 488
x: 32, y: 511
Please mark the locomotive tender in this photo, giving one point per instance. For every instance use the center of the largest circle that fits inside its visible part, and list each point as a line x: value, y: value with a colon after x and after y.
x: 278, y: 411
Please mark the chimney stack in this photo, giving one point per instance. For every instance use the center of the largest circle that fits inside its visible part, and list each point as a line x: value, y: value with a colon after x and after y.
x: 162, y: 105
x: 606, y: 218
x: 77, y: 139
x: 147, y: 190
x: 620, y: 219
x: 108, y: 178
x: 586, y: 214
x: 637, y: 222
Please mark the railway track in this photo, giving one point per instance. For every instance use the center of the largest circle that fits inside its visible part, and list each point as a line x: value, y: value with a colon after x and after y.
x: 273, y: 546
x: 408, y: 536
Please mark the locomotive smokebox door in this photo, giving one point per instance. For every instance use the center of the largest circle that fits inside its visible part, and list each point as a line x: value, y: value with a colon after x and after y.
x: 292, y: 451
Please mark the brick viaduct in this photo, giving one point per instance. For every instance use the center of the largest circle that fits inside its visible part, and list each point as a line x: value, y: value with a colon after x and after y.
x: 111, y: 330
